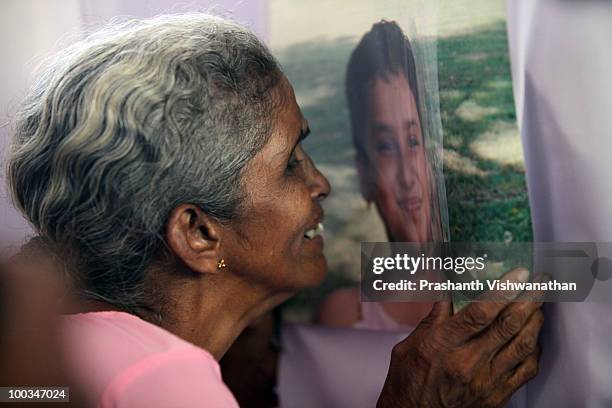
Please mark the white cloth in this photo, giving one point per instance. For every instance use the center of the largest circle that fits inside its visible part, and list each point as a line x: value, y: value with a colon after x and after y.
x: 333, y: 367
x: 561, y: 53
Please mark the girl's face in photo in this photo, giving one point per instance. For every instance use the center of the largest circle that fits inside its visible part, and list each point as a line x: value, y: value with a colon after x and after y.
x: 396, y: 177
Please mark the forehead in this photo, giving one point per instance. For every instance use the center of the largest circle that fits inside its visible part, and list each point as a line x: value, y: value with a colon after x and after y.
x: 287, y: 124
x: 391, y: 98
x: 292, y: 111
x: 289, y: 118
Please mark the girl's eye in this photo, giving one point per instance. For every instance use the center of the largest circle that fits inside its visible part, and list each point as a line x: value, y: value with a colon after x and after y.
x: 413, y: 141
x: 384, y: 147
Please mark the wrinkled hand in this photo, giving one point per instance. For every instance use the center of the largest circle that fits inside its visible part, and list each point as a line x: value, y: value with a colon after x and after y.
x: 476, y: 358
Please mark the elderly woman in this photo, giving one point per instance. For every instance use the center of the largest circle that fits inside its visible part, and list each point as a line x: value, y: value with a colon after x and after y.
x: 161, y: 161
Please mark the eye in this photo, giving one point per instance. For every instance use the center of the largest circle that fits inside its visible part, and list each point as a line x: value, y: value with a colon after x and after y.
x: 293, y: 162
x: 383, y: 146
x: 413, y: 141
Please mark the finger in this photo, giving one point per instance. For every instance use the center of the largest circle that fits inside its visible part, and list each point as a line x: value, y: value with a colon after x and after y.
x: 512, y: 319
x: 510, y: 322
x: 478, y: 353
x: 477, y: 316
x: 519, y: 275
x: 441, y: 311
x: 521, y: 346
x: 467, y: 360
x: 525, y: 372
x: 534, y: 295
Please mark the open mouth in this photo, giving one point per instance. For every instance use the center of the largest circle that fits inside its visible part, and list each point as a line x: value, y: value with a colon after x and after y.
x: 410, y: 205
x: 314, y: 232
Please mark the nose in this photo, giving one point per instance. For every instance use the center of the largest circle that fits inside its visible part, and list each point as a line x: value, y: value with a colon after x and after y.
x: 319, y: 185
x: 406, y: 173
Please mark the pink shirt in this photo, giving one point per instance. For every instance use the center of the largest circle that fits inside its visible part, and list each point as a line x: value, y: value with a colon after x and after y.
x: 123, y: 361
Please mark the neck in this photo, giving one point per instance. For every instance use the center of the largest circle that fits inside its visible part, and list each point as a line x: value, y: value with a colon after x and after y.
x: 207, y: 311
x: 211, y: 311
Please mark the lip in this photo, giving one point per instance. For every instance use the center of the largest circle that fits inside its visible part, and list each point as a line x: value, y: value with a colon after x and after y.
x: 317, y: 242
x: 317, y: 219
x: 411, y: 204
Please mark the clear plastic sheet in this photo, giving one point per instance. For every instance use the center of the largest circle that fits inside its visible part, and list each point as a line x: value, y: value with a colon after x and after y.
x: 390, y: 178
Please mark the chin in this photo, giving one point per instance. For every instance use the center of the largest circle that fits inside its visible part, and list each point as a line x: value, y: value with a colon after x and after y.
x: 407, y: 236
x: 314, y: 274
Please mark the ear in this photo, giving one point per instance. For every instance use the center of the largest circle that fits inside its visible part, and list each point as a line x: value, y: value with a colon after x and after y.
x: 366, y: 186
x: 194, y: 237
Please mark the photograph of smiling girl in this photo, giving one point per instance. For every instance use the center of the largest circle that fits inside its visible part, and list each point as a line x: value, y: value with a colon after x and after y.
x: 466, y: 178
x: 390, y: 138
x: 397, y: 164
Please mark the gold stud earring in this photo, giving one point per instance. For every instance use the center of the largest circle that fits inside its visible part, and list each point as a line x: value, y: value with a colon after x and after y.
x: 221, y: 264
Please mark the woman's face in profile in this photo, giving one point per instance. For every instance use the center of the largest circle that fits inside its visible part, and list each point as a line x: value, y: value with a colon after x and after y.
x: 277, y: 242
x: 396, y: 176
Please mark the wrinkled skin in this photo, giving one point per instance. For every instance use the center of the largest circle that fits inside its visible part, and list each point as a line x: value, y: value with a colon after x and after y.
x: 476, y: 358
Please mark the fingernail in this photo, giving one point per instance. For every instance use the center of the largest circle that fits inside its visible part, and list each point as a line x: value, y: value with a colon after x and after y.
x: 522, y: 275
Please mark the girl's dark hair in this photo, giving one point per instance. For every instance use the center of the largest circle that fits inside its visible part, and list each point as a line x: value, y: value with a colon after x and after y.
x: 382, y: 52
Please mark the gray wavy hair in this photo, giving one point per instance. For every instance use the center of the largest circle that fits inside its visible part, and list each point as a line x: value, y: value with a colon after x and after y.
x: 129, y: 123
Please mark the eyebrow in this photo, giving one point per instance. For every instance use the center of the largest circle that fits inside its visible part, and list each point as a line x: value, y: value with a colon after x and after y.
x: 411, y: 123
x: 384, y: 128
x: 303, y: 134
x: 381, y: 128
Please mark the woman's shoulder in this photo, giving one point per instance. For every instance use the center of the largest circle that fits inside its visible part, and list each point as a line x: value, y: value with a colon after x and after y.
x: 125, y: 334
x: 126, y: 361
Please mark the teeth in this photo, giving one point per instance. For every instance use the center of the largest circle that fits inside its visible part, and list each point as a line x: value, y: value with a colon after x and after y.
x: 313, y: 232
